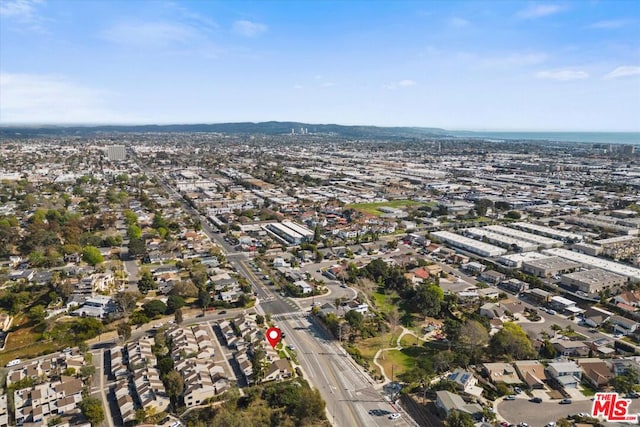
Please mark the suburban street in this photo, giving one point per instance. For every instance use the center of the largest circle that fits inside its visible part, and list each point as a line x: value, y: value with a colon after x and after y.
x: 348, y: 392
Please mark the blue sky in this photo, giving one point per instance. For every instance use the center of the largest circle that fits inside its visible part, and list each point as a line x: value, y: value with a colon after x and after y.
x: 475, y: 65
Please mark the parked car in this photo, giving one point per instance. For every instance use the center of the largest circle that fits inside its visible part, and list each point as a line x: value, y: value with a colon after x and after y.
x: 510, y: 397
x: 535, y: 400
x: 565, y: 401
x: 394, y: 416
x: 518, y: 390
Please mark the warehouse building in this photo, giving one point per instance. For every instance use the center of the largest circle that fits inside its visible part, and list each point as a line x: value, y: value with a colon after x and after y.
x: 540, y: 241
x: 548, y: 231
x: 631, y: 273
x: 516, y: 260
x: 289, y: 232
x: 500, y: 239
x: 593, y: 281
x: 547, y: 267
x: 473, y: 246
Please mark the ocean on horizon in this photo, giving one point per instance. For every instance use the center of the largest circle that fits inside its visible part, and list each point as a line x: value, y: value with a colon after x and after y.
x: 632, y: 138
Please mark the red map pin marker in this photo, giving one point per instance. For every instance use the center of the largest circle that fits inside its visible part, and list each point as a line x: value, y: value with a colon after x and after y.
x: 274, y: 335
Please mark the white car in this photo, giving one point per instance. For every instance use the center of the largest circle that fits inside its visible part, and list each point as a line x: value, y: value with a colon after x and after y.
x: 394, y: 416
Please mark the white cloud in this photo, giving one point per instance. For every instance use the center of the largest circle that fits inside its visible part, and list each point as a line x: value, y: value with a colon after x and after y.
x: 516, y: 60
x: 31, y: 98
x: 20, y: 9
x: 458, y: 22
x: 150, y: 34
x: 248, y: 28
x: 539, y: 11
x: 23, y: 12
x: 399, y: 84
x: 328, y: 84
x: 624, y: 71
x: 298, y: 86
x: 406, y: 83
x: 562, y: 75
x: 610, y: 24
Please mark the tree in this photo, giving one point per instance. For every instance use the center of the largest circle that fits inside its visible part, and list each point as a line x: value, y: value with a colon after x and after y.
x: 256, y: 363
x: 173, y: 384
x: 482, y: 206
x: 154, y: 308
x: 474, y: 334
x: 451, y: 329
x: 134, y: 232
x: 626, y: 382
x: 124, y: 331
x: 178, y: 316
x: 146, y: 282
x: 87, y: 371
x: 512, y: 341
x: 459, y: 419
x: 91, y: 255
x: 137, y: 247
x: 174, y: 302
x: 37, y: 313
x: 91, y: 408
x: 185, y: 288
x: 138, y: 317
x: 513, y: 215
x: 204, y: 299
x: 126, y: 301
x: 355, y: 319
x: 428, y: 299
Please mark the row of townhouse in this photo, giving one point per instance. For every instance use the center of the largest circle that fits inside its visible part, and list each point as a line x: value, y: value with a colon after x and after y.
x: 44, y: 401
x: 145, y: 377
x: 193, y: 351
x: 47, y: 367
x: 243, y: 334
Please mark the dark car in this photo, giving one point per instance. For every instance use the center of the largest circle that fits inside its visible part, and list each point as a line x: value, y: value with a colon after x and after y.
x: 565, y: 401
x: 535, y: 400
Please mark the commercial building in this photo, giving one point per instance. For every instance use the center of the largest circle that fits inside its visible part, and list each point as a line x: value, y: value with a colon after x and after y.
x: 501, y: 239
x: 631, y: 273
x: 516, y: 260
x: 540, y: 241
x: 289, y: 232
x: 470, y: 245
x: 548, y: 231
x: 116, y: 153
x: 593, y: 281
x: 547, y: 267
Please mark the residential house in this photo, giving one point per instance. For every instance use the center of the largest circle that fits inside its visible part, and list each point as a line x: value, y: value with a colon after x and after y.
x: 623, y: 325
x: 565, y: 374
x: 596, y: 372
x: 501, y: 373
x: 448, y: 402
x: 570, y: 348
x: 532, y: 373
x: 492, y: 276
x: 595, y: 317
x: 279, y: 369
x: 631, y: 298
x: 463, y: 379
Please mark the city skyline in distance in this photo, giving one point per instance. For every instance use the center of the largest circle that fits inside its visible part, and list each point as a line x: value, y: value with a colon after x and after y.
x: 561, y: 66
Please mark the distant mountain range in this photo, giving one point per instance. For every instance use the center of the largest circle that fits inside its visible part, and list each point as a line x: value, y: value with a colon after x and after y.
x: 265, y: 128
